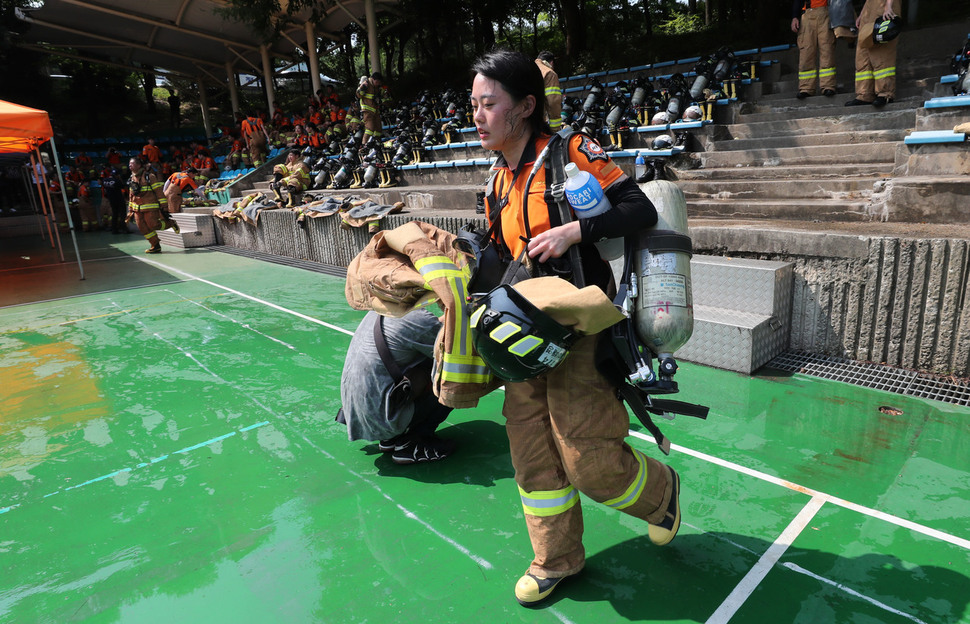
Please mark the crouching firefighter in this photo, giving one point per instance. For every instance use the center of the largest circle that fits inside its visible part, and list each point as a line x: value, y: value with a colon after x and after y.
x: 294, y: 176
x: 386, y: 390
x: 565, y: 419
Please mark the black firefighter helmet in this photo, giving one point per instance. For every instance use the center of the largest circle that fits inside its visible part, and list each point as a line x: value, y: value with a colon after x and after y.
x: 516, y: 339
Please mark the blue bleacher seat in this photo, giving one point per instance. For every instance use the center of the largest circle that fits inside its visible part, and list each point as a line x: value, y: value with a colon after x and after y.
x: 935, y: 136
x: 948, y: 102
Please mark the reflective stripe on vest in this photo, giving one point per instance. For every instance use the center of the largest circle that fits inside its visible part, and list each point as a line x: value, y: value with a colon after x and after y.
x: 549, y: 502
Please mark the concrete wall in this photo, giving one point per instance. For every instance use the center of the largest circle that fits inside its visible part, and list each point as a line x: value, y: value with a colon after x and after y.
x: 895, y: 300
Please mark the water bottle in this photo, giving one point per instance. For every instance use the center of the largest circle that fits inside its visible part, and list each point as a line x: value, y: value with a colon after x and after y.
x: 585, y: 195
x: 639, y: 167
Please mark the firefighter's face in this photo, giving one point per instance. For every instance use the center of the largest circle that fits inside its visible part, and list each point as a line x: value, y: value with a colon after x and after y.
x: 499, y: 119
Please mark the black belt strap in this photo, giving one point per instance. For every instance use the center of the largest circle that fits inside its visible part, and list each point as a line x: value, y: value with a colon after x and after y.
x: 385, y: 352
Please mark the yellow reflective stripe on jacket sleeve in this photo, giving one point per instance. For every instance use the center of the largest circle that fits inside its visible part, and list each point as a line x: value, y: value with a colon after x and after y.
x: 464, y: 369
x: 633, y: 492
x: 460, y: 364
x: 434, y: 267
x: 548, y: 502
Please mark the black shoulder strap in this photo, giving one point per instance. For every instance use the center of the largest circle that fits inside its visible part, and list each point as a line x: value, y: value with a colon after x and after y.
x: 385, y: 352
x: 555, y: 187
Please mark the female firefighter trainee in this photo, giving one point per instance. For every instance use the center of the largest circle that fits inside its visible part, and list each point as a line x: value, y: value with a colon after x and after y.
x: 566, y: 428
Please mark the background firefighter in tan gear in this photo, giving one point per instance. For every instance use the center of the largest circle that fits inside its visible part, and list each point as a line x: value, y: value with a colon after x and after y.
x: 566, y: 427
x: 875, y: 63
x: 178, y: 183
x: 369, y: 92
x: 57, y: 206
x: 816, y: 47
x: 550, y: 79
x: 86, y: 208
x: 146, y: 204
x: 294, y: 175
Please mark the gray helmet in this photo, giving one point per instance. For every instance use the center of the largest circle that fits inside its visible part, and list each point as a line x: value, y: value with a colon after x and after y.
x: 663, y: 142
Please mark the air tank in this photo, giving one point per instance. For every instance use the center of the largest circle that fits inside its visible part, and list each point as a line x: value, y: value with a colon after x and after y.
x: 664, y: 304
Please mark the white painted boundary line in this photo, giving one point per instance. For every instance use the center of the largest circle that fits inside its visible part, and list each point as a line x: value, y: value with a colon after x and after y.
x: 755, y: 575
x: 244, y: 295
x: 828, y: 498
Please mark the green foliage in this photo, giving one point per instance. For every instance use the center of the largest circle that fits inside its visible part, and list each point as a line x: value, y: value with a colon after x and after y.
x: 681, y: 23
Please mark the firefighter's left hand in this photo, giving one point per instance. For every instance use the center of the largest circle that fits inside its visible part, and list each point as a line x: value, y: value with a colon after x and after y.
x: 554, y: 243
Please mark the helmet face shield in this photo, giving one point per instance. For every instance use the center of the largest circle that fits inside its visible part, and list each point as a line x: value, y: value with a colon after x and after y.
x: 517, y: 340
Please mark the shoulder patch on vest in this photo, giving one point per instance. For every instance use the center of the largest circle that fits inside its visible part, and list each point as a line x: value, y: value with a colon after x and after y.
x: 592, y: 150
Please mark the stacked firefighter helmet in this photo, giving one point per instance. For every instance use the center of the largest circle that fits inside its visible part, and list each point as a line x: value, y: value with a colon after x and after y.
x: 693, y: 113
x: 516, y: 339
x: 663, y: 142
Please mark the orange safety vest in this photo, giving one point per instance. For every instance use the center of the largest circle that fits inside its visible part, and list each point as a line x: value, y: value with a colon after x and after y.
x: 183, y: 180
x: 583, y: 151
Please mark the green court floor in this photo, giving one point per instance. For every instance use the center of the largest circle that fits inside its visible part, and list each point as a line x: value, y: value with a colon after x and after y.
x: 168, y: 454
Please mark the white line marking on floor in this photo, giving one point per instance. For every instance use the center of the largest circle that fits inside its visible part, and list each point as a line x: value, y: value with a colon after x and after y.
x: 244, y: 295
x: 797, y: 568
x: 755, y: 575
x: 407, y: 512
x: 800, y: 570
x: 246, y: 326
x: 868, y: 511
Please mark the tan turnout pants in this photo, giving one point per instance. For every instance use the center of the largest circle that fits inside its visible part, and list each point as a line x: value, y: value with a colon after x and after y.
x: 566, y: 434
x: 816, y: 51
x: 875, y: 66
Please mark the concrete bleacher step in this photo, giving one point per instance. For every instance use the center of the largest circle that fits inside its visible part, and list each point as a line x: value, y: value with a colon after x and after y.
x: 754, y: 112
x: 746, y: 190
x: 804, y: 155
x: 742, y: 312
x: 785, y: 125
x: 941, y: 118
x: 786, y: 172
x: 854, y: 137
x: 780, y: 209
x: 195, y: 230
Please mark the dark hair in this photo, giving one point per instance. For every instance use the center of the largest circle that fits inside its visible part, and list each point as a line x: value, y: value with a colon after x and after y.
x: 520, y: 76
x: 377, y: 76
x: 546, y: 55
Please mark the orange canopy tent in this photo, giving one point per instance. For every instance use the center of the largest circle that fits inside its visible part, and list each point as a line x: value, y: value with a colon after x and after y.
x: 22, y: 131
